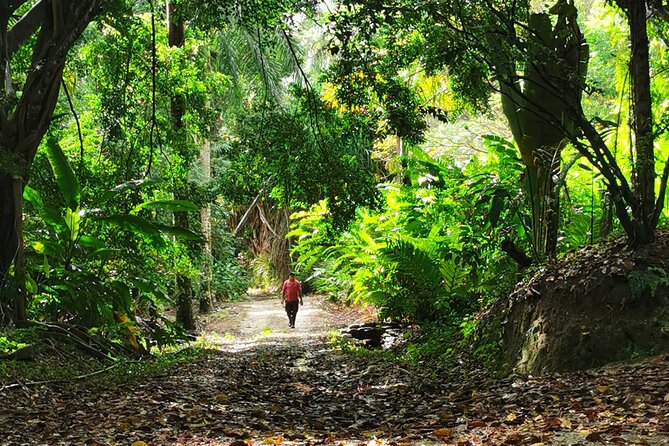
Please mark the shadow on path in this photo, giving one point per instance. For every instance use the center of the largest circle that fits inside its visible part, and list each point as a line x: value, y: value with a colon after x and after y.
x: 263, y: 383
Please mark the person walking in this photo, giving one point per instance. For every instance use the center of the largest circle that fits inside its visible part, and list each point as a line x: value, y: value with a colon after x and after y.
x: 291, y: 294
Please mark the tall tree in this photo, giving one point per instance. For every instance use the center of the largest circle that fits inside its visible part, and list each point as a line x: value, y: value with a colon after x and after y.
x: 472, y: 40
x: 557, y: 56
x: 184, y: 287
x: 642, y: 123
x: 26, y: 110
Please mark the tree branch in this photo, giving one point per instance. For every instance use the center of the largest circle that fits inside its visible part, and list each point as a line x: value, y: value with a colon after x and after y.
x: 25, y: 27
x: 659, y: 204
x: 76, y: 119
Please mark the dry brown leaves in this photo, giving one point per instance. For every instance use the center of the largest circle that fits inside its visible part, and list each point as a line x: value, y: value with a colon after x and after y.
x: 309, y: 394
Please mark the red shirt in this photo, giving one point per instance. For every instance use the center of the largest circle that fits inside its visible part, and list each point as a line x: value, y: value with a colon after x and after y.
x: 292, y: 290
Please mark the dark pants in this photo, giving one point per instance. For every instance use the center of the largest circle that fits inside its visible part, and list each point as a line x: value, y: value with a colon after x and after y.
x: 291, y: 311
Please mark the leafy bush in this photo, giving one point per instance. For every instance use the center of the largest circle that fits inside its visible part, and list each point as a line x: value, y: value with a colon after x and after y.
x: 432, y: 253
x: 230, y: 280
x: 78, y: 269
x: 8, y: 346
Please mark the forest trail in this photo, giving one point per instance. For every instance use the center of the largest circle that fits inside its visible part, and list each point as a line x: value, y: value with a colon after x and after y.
x: 262, y: 320
x: 262, y: 383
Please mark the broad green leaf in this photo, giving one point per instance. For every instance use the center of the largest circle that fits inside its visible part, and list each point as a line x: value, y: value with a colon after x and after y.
x: 65, y: 177
x: 103, y: 252
x: 31, y: 285
x: 38, y: 247
x: 53, y: 218
x: 32, y: 196
x: 89, y: 241
x: 46, y: 267
x: 137, y: 225
x: 73, y: 222
x: 48, y: 248
x: 168, y: 205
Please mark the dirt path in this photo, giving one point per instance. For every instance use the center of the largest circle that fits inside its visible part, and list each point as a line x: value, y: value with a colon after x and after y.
x: 262, y: 320
x: 262, y: 383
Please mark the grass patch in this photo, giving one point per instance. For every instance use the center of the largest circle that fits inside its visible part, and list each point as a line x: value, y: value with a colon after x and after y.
x: 63, y: 363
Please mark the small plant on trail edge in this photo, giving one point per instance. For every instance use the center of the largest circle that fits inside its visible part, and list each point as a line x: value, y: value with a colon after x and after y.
x: 649, y: 280
x: 357, y: 348
x: 346, y: 345
x: 13, y: 340
x: 8, y: 346
x: 486, y: 340
x: 432, y: 344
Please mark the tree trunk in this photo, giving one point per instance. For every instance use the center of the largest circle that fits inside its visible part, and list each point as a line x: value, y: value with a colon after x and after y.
x: 555, y: 84
x: 606, y: 223
x: 206, y: 299
x: 644, y: 177
x: 8, y: 246
x: 280, y: 245
x: 25, y: 117
x: 8, y: 234
x: 184, y: 286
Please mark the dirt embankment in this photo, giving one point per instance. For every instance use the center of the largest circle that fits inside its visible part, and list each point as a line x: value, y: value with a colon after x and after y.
x: 592, y: 307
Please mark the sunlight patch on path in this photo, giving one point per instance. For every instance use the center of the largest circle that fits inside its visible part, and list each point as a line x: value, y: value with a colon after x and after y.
x: 263, y: 322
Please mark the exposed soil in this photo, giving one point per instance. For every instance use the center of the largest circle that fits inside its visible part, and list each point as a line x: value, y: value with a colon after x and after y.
x: 263, y: 318
x: 588, y: 309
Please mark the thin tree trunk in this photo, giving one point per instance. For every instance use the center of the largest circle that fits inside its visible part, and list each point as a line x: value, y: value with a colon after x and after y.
x: 8, y: 234
x: 206, y: 299
x: 184, y: 286
x: 606, y: 223
x: 8, y: 243
x: 644, y: 178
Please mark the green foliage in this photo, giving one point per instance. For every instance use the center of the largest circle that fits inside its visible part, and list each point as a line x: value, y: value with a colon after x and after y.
x: 287, y: 152
x: 9, y: 346
x: 534, y: 54
x: 75, y: 274
x: 432, y: 253
x: 435, y: 342
x: 264, y: 14
x: 424, y: 246
x: 651, y: 280
x: 101, y: 238
x: 484, y: 341
x: 231, y: 279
